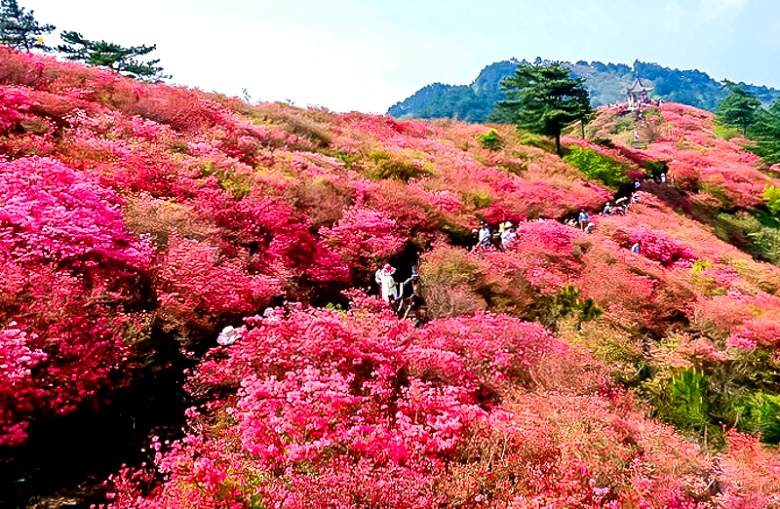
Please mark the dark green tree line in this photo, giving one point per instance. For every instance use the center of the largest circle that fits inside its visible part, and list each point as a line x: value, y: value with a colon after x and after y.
x: 759, y: 124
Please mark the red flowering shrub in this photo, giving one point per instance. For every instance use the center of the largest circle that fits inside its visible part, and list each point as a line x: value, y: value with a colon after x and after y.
x: 329, y: 406
x: 69, y: 267
x: 363, y: 238
x: 195, y: 285
x: 14, y: 103
x: 276, y: 235
x: 748, y: 474
x: 52, y: 214
x: 65, y: 342
x: 415, y: 216
x: 497, y: 349
x: 361, y: 389
x: 658, y: 246
x: 16, y: 361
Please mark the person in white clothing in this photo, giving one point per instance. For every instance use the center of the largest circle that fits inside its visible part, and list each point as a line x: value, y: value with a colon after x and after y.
x: 388, y: 288
x: 508, y: 236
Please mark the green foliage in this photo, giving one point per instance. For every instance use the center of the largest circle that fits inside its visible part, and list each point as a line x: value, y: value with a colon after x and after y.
x: 655, y: 168
x: 772, y: 199
x: 755, y: 234
x: 480, y: 199
x: 684, y: 401
x: 597, y: 166
x: 545, y: 98
x: 108, y: 54
x: 725, y: 132
x: 766, y: 134
x: 490, y: 139
x: 534, y: 140
x: 549, y: 310
x: 238, y: 184
x: 708, y: 286
x: 19, y: 29
x: 654, y: 113
x: 691, y: 87
x: 348, y: 158
x: 760, y: 413
x: 388, y: 166
x: 739, y: 108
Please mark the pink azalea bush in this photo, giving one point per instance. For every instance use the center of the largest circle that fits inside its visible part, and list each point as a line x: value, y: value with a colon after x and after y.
x: 52, y: 214
x: 193, y: 282
x: 658, y: 246
x: 364, y: 237
x: 323, y: 397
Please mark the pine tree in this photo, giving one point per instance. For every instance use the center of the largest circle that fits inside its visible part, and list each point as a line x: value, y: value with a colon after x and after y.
x: 766, y: 134
x: 738, y: 108
x: 108, y: 54
x: 19, y: 29
x: 544, y: 98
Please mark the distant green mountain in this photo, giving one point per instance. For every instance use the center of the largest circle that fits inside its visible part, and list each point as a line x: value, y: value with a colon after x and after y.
x: 605, y: 82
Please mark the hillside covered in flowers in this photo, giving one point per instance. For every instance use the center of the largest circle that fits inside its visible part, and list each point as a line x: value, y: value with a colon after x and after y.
x: 562, y: 370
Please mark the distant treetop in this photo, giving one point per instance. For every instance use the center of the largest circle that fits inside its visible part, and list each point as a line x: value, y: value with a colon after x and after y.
x: 108, y: 54
x: 19, y: 29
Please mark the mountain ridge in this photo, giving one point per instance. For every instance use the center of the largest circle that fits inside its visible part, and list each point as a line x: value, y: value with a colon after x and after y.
x: 606, y: 84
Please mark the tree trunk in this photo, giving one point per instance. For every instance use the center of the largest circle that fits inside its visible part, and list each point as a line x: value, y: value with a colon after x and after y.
x: 558, y: 144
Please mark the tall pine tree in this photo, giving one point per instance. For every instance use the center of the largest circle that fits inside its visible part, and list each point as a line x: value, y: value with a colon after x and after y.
x: 739, y: 108
x: 544, y: 98
x: 108, y: 54
x: 766, y: 134
x: 19, y: 29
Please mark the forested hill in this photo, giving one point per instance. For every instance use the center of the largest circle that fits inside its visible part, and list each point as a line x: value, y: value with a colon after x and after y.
x: 605, y: 82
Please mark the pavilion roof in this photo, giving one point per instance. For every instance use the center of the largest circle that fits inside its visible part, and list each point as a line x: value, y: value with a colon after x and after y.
x: 638, y: 87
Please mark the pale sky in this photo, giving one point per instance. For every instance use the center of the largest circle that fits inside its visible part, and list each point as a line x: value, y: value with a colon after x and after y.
x: 365, y: 55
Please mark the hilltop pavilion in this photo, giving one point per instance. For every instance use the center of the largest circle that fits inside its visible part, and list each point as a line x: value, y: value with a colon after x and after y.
x: 637, y: 95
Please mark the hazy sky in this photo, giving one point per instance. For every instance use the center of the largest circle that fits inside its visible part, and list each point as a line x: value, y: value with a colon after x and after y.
x: 366, y: 55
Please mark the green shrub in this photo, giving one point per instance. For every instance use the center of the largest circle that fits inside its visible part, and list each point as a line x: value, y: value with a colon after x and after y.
x: 490, y: 139
x: 550, y: 309
x: 725, y: 132
x: 348, y: 158
x: 597, y: 166
x: 534, y: 140
x: 684, y: 401
x: 450, y: 278
x: 654, y: 113
x: 622, y: 124
x: 760, y: 413
x: 480, y: 199
x: 772, y: 199
x: 758, y: 236
x: 655, y: 168
x: 389, y: 166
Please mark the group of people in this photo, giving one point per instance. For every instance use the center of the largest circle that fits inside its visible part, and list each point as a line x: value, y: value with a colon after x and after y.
x: 619, y: 207
x: 501, y: 238
x: 403, y: 297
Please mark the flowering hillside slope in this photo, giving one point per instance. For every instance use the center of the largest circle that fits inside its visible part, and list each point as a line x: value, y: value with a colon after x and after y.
x: 562, y: 370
